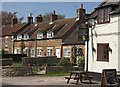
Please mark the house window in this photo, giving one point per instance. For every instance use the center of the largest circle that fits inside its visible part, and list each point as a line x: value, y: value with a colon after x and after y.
x: 26, y: 36
x: 39, y: 52
x: 50, y: 34
x: 19, y: 37
x: 32, y: 52
x: 25, y: 51
x: 6, y: 41
x: 67, y: 52
x: 40, y: 36
x: 49, y: 52
x: 103, y: 15
x: 103, y: 52
x: 19, y: 51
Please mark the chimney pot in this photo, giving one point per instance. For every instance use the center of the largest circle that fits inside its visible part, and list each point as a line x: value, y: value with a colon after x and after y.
x: 30, y: 18
x: 53, y: 12
x: 53, y: 16
x: 81, y: 6
x: 39, y: 18
x: 14, y: 20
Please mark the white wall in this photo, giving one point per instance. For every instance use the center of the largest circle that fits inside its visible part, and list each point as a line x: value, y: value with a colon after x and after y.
x: 105, y: 33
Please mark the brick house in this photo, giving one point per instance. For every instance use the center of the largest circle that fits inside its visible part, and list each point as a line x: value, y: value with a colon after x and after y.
x: 61, y: 38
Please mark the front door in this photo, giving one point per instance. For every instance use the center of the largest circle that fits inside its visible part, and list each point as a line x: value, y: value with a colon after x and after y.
x: 58, y: 52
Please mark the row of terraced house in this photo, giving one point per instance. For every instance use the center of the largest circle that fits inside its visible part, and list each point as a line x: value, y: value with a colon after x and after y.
x: 68, y: 38
x: 59, y: 38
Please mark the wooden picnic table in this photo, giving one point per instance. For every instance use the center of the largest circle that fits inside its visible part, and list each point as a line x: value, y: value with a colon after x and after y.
x: 79, y: 75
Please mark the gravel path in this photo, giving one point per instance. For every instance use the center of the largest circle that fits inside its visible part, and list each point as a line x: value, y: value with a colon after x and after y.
x: 43, y: 81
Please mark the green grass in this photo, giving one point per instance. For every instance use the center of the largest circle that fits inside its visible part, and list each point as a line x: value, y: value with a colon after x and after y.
x: 58, y: 74
x: 17, y: 64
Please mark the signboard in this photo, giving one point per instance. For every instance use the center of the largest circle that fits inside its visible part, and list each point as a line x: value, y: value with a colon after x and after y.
x: 109, y: 78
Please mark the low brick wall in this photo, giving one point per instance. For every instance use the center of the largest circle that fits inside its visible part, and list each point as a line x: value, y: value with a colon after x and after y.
x: 6, y: 62
x: 62, y: 69
x: 16, y: 71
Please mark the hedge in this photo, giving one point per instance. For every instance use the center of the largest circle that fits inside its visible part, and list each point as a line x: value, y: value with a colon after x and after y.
x: 6, y: 62
x: 15, y: 57
x: 34, y: 61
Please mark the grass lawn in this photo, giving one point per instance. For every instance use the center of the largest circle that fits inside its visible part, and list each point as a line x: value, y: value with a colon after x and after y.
x: 17, y: 64
x: 58, y: 74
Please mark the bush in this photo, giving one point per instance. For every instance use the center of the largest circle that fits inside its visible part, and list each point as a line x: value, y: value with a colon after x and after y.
x: 65, y: 62
x: 81, y: 61
x: 16, y: 57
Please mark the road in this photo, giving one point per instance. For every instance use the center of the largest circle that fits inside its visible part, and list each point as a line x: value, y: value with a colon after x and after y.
x: 43, y: 81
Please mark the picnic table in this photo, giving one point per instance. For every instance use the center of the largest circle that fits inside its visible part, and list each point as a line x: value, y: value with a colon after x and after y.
x: 79, y: 75
x: 118, y: 74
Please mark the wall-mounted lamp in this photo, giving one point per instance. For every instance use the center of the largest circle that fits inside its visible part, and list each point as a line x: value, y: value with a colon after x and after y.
x: 110, y: 49
x: 93, y: 49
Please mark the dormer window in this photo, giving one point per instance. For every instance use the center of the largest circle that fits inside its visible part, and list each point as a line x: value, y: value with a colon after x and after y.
x: 26, y: 36
x: 40, y: 36
x: 50, y: 34
x: 19, y: 37
x: 103, y: 15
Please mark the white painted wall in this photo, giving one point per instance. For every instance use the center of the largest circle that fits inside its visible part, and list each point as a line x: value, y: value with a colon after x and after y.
x: 105, y: 33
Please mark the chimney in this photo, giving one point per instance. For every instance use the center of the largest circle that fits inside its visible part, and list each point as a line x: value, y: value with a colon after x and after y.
x: 53, y: 16
x: 30, y: 19
x: 38, y: 19
x: 81, y: 14
x: 14, y: 20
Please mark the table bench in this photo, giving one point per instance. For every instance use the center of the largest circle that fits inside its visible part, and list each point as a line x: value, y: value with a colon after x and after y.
x: 79, y: 75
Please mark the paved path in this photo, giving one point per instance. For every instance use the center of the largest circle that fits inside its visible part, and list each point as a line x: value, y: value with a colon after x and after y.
x: 43, y: 81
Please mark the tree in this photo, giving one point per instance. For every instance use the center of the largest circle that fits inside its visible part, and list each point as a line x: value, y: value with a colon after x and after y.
x: 46, y: 17
x: 6, y: 17
x: 22, y: 46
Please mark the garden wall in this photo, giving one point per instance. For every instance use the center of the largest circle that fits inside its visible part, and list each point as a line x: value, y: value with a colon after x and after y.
x: 16, y: 71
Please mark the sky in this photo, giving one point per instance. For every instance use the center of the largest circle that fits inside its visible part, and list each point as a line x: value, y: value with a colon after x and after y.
x: 65, y: 8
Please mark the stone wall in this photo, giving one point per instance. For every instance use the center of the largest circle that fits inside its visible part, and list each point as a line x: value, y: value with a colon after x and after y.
x: 16, y: 71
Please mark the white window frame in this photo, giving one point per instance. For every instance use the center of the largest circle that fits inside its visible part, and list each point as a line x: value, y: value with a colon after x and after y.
x: 26, y: 36
x: 39, y: 35
x: 6, y: 41
x: 50, y: 34
x: 32, y: 52
x: 49, y: 52
x: 67, y: 52
x: 39, y: 52
x: 25, y: 50
x: 18, y: 51
x: 19, y: 37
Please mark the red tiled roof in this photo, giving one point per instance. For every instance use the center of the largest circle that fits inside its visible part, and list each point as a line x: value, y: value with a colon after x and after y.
x: 9, y: 29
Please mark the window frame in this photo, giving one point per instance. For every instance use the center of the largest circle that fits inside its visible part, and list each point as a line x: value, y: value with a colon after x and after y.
x: 32, y: 52
x: 67, y: 52
x: 50, y: 34
x: 101, y: 48
x: 39, y: 35
x: 26, y: 36
x: 6, y: 41
x: 49, y: 52
x: 104, y: 15
x: 19, y: 37
x: 39, y: 52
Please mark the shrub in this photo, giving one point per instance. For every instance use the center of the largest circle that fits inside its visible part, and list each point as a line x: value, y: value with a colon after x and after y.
x: 81, y: 61
x: 65, y: 62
